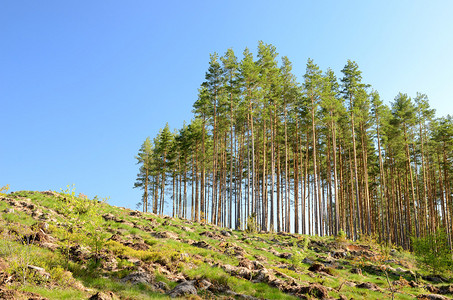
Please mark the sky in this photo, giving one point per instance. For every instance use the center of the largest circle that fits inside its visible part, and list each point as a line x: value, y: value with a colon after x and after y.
x: 83, y: 83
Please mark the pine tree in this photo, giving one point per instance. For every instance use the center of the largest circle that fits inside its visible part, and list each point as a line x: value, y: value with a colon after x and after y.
x: 144, y: 159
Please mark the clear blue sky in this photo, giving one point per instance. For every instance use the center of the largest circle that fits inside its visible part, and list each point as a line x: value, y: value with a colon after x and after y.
x: 83, y: 83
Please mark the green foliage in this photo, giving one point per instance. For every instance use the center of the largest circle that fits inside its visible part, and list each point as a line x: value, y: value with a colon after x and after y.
x: 61, y: 276
x: 19, y: 257
x: 17, y: 246
x: 341, y: 236
x: 4, y: 190
x: 97, y: 235
x: 82, y: 212
x: 251, y: 225
x: 434, y: 251
x: 296, y: 258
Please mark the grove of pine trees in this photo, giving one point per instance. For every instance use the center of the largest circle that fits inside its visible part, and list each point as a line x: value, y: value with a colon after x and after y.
x: 314, y: 157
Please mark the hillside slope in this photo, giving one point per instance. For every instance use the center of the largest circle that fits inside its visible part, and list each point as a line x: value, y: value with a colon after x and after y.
x: 59, y: 246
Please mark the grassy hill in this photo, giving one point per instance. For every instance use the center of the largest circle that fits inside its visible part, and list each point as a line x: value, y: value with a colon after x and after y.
x: 59, y: 246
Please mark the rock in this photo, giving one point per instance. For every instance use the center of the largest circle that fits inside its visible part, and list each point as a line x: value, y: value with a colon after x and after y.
x: 165, y: 235
x: 413, y: 284
x: 339, y: 254
x: 235, y: 251
x: 432, y: 297
x: 225, y: 233
x: 315, y: 290
x: 369, y: 286
x: 79, y: 253
x: 239, y: 271
x: 103, y: 296
x: 140, y: 246
x: 115, y: 237
x: 162, y: 286
x: 401, y: 282
x: 260, y: 258
x: 285, y: 255
x: 435, y: 278
x: 316, y: 267
x: 343, y: 297
x: 110, y: 217
x: 108, y: 263
x: 135, y: 261
x: 321, y: 269
x: 307, y: 261
x: 34, y: 237
x: 8, y: 294
x: 37, y: 213
x: 202, y: 284
x: 187, y: 229
x: 239, y: 296
x: 446, y: 289
x: 51, y: 193
x: 138, y: 277
x: 264, y: 275
x: 135, y: 213
x: 183, y: 289
x: 245, y: 263
x: 9, y: 210
x: 212, y: 235
x: 257, y: 265
x: 202, y: 244
x: 356, y: 271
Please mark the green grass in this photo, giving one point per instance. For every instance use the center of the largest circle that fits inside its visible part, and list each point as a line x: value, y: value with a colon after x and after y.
x: 218, y: 276
x: 124, y: 290
x: 56, y: 293
x: 192, y: 261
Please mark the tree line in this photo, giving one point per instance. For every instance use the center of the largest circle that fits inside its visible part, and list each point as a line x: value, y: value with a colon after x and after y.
x: 314, y: 157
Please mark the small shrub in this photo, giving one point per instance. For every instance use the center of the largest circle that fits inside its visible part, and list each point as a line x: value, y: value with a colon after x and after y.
x: 434, y: 251
x: 19, y: 253
x: 61, y: 276
x: 296, y: 259
x: 97, y: 236
x: 251, y: 226
x: 4, y: 190
x: 341, y: 236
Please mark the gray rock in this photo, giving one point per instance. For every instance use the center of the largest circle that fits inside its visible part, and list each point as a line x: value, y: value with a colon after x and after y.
x: 203, y: 284
x: 225, y: 233
x: 369, y: 286
x: 285, y: 255
x: 135, y: 213
x: 202, y: 244
x: 165, y: 235
x: 162, y: 285
x: 138, y: 277
x: 103, y: 296
x: 339, y: 254
x: 182, y: 289
x: 307, y: 261
x: 432, y: 297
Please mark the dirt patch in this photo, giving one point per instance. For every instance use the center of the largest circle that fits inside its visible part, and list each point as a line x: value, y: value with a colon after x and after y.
x: 7, y: 294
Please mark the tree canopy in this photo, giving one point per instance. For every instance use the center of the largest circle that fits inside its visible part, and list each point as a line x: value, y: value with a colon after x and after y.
x: 314, y: 157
